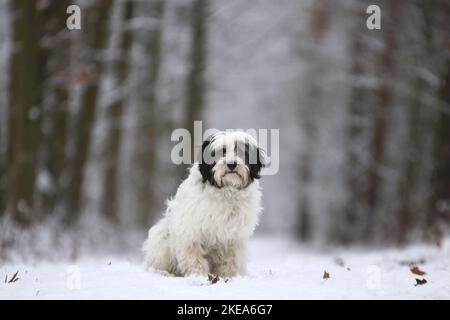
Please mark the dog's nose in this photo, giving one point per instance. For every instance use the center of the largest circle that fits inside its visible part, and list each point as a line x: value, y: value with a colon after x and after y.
x: 232, y: 165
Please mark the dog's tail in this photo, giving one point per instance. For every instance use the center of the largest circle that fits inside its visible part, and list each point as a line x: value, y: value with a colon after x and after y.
x: 156, y: 248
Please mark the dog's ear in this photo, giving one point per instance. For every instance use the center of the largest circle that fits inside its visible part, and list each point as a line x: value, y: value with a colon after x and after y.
x: 205, y: 161
x: 255, y: 168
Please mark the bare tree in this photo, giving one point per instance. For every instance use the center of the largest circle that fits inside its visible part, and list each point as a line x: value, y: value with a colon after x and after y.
x: 319, y: 24
x: 146, y: 134
x: 4, y: 97
x: 56, y: 81
x: 413, y: 165
x: 439, y: 203
x: 95, y: 41
x: 355, y: 210
x: 111, y: 182
x: 27, y: 67
x: 386, y: 71
x: 195, y: 84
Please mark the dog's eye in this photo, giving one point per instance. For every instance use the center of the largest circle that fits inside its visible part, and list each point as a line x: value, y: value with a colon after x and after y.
x: 213, y: 153
x: 224, y: 151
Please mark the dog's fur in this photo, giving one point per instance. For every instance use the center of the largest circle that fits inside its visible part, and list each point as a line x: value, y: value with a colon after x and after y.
x: 214, y: 212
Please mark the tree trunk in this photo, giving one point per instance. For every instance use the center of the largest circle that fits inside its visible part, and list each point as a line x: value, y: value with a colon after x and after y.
x: 96, y: 40
x: 411, y: 165
x: 5, y: 14
x: 110, y: 200
x: 439, y: 202
x: 55, y: 118
x: 25, y: 113
x: 195, y: 85
x: 148, y: 126
x: 409, y: 215
x: 319, y: 24
x: 355, y: 210
x: 380, y: 127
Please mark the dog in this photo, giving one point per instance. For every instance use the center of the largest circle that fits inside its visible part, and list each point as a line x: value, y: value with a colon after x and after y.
x: 206, y: 226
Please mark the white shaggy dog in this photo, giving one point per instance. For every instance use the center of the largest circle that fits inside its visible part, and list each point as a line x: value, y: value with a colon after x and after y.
x: 207, y: 224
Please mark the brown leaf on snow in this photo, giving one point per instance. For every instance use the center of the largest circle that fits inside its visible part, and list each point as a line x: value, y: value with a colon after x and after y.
x: 339, y: 261
x: 416, y: 270
x: 326, y: 275
x: 420, y: 282
x: 213, y: 279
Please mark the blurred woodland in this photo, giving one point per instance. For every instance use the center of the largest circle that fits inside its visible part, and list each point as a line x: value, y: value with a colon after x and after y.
x: 364, y: 115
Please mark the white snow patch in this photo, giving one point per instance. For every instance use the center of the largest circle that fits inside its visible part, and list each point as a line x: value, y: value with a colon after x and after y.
x: 279, y: 269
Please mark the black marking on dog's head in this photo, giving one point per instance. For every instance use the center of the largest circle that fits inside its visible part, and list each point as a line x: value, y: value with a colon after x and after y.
x: 206, y: 162
x: 254, y: 160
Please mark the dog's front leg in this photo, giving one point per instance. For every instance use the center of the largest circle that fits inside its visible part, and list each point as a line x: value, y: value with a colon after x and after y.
x: 191, y: 260
x: 233, y: 260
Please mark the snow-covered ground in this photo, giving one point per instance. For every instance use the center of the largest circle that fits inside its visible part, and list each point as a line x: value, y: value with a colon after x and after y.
x: 278, y: 269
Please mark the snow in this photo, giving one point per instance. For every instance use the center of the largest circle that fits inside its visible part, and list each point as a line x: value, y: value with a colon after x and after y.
x: 278, y: 269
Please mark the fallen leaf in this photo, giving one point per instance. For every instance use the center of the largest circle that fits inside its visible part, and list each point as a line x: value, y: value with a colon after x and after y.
x: 416, y: 270
x: 339, y: 261
x: 420, y: 282
x: 213, y: 279
x: 326, y: 275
